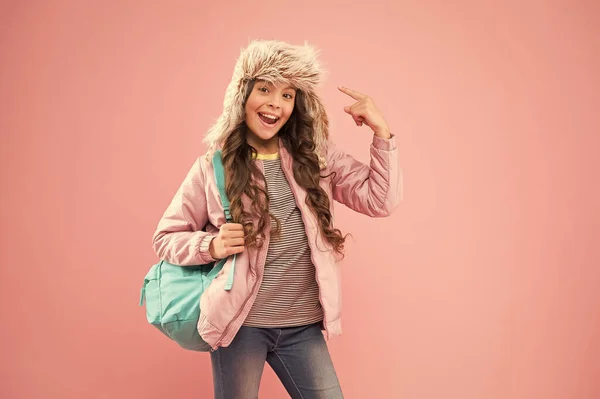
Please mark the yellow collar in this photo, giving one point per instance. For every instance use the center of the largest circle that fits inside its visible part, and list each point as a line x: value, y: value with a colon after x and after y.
x: 265, y: 157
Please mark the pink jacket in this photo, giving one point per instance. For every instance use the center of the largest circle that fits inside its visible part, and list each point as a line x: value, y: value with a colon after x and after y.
x: 374, y: 190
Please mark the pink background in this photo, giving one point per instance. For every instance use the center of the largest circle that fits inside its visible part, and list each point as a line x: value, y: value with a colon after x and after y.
x: 483, y: 285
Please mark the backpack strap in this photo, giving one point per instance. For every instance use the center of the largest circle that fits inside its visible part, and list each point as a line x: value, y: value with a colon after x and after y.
x: 220, y: 178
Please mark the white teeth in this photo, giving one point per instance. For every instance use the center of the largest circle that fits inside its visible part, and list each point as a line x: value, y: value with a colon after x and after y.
x: 270, y: 116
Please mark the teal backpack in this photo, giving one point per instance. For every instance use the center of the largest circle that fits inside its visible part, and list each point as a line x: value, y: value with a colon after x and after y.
x: 172, y: 293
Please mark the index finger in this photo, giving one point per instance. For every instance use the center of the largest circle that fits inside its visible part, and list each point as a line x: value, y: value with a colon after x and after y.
x: 233, y: 226
x: 352, y: 93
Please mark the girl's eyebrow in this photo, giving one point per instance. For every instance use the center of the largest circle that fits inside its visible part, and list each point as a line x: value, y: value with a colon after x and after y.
x: 287, y: 87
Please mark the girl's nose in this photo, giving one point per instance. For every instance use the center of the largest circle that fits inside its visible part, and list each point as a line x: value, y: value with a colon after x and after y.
x: 274, y: 103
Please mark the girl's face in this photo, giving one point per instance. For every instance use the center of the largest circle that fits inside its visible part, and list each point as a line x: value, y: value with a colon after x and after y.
x: 268, y: 108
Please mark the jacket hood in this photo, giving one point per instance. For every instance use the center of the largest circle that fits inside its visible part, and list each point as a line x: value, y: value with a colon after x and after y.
x: 275, y: 62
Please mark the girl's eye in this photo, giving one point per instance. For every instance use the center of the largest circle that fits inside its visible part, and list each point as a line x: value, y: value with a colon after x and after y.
x: 264, y: 89
x: 288, y: 96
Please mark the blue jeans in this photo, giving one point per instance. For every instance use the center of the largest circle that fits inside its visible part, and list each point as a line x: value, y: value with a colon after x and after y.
x: 298, y: 355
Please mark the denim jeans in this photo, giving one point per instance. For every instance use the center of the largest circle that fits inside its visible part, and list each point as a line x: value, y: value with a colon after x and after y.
x: 298, y: 355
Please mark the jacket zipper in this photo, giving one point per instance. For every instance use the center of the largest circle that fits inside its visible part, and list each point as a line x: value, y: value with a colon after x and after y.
x: 312, y: 257
x: 261, y: 261
x: 259, y: 277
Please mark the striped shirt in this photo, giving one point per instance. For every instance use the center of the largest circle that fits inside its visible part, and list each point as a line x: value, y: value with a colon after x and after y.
x: 289, y: 293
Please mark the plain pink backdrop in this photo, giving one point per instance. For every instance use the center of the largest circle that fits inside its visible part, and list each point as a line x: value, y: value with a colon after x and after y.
x: 484, y: 283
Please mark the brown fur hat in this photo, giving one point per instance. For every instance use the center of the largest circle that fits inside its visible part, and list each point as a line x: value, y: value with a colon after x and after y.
x: 274, y: 62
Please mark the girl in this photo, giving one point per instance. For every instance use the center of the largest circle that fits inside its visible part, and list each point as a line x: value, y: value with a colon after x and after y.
x: 282, y: 175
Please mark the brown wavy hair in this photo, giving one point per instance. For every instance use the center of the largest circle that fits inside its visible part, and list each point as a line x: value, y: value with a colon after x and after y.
x: 244, y: 178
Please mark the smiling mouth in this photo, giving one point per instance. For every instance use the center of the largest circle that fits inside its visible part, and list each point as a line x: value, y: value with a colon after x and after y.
x: 268, y: 119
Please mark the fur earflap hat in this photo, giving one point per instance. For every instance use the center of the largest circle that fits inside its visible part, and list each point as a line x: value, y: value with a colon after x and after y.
x: 274, y: 62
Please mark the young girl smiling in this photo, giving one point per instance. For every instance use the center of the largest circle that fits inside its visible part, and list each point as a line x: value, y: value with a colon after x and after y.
x: 282, y: 175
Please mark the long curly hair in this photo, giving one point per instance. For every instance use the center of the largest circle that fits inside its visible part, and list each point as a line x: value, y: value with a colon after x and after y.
x: 243, y: 177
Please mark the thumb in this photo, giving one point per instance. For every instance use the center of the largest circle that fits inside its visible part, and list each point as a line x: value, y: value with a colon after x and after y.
x: 347, y: 109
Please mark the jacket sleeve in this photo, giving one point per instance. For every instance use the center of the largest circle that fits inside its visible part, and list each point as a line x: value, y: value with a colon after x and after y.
x: 375, y: 189
x: 179, y: 238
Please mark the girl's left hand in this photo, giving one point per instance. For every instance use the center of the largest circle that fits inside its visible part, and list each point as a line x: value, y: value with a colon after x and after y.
x: 365, y: 111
